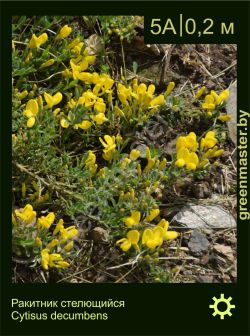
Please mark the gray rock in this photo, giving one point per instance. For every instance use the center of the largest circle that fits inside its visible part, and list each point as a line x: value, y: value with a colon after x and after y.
x: 198, y: 244
x: 204, y: 217
x: 231, y: 107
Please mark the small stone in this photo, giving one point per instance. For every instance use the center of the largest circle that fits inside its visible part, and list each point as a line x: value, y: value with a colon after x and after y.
x: 204, y: 216
x: 99, y: 234
x: 198, y: 244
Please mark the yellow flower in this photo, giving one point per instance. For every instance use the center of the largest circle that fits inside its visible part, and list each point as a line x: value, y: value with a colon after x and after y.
x: 168, y: 235
x: 59, y: 227
x: 91, y: 159
x: 45, y: 259
x: 68, y: 247
x: 208, y: 141
x: 200, y: 92
x: 85, y: 124
x: 64, y: 123
x: 170, y: 88
x: 44, y: 222
x: 134, y: 219
x: 53, y: 100
x: 119, y: 138
x: 27, y: 214
x: 187, y: 158
x: 29, y: 57
x: 150, y: 165
x: 52, y: 244
x: 40, y: 101
x: 99, y: 118
x: 74, y: 43
x: 85, y: 77
x: 68, y: 233
x: 31, y: 121
x: 209, y: 103
x: 100, y: 106
x: 217, y: 98
x: 157, y: 101
x: 31, y: 109
x: 56, y: 260
x: 224, y: 117
x: 36, y: 42
x: 188, y: 141
x: 23, y: 94
x: 131, y: 240
x: 152, y: 215
x: 101, y: 172
x: 213, y: 152
x: 153, y: 238
x: 62, y: 264
x: 224, y: 95
x: 48, y: 63
x: 125, y: 162
x: 90, y: 162
x: 56, y: 111
x: 64, y: 32
x: 118, y: 111
x: 163, y: 164
x: 134, y: 154
x: 38, y: 241
x: 109, y: 147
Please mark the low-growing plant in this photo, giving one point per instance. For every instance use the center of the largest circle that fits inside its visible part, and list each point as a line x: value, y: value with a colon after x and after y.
x: 71, y: 134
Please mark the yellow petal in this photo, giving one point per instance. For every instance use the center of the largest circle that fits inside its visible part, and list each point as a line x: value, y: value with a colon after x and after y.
x: 136, y: 215
x: 32, y: 106
x: 68, y: 247
x: 133, y: 236
x: 164, y: 224
x: 129, y: 221
x: 170, y: 88
x: 65, y: 31
x: 64, y: 123
x: 200, y: 92
x: 85, y: 124
x: 147, y: 234
x: 180, y: 163
x: 134, y: 154
x: 30, y: 122
x: 152, y: 215
x: 170, y: 235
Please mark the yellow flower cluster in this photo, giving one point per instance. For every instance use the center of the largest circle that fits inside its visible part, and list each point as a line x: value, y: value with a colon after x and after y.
x: 49, y: 260
x: 26, y: 215
x: 91, y: 99
x: 138, y: 99
x: 33, y: 105
x: 61, y: 239
x: 187, y: 146
x: 36, y: 42
x: 151, y: 238
x: 213, y: 99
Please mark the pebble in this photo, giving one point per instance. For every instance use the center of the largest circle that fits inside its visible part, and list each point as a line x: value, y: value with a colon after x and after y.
x: 198, y: 244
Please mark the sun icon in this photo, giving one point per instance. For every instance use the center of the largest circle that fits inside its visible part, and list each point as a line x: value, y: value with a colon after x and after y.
x: 226, y: 302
